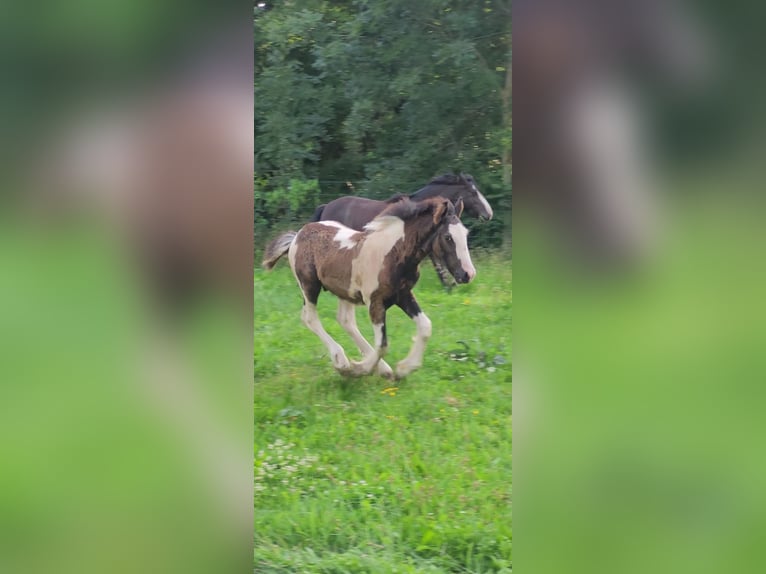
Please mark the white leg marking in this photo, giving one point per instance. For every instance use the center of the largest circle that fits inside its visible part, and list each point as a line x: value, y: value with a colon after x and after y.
x: 366, y: 365
x: 460, y: 237
x: 415, y: 358
x: 347, y: 319
x: 311, y: 320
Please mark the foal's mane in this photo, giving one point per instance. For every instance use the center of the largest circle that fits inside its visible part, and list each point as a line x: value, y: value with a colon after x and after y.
x: 404, y: 209
x: 444, y: 179
x: 395, y: 198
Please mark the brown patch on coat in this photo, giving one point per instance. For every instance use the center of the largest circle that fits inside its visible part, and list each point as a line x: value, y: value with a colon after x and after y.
x: 334, y: 269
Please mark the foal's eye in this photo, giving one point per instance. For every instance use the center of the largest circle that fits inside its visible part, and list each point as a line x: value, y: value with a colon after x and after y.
x: 449, y: 238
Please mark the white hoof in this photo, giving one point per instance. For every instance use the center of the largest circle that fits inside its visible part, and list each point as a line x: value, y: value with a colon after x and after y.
x: 340, y: 361
x: 404, y: 368
x: 362, y: 368
x: 384, y: 370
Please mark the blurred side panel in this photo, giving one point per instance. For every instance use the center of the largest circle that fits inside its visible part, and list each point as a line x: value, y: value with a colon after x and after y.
x: 639, y: 317
x: 126, y: 287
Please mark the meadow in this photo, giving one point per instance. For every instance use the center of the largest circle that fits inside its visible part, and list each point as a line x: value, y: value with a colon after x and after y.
x: 377, y: 476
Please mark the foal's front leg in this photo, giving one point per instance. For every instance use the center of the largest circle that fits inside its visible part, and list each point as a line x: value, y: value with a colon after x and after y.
x: 378, y: 317
x: 414, y: 359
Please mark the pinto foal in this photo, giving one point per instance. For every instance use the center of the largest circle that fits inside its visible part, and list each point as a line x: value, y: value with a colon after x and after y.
x: 376, y: 267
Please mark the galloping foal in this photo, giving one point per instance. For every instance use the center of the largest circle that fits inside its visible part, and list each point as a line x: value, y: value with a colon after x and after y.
x: 356, y: 212
x: 376, y: 267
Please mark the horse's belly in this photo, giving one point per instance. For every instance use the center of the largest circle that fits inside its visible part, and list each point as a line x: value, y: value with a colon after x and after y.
x: 354, y: 297
x: 340, y: 287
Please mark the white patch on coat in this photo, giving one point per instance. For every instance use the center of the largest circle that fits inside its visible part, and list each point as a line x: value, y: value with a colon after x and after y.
x: 344, y: 236
x: 460, y: 237
x: 386, y: 232
x: 483, y: 201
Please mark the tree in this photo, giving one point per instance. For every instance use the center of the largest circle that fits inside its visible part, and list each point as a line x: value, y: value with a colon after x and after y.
x: 376, y: 97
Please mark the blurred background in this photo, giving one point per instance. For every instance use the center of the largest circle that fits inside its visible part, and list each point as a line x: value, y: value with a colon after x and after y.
x: 126, y: 254
x: 639, y: 238
x: 125, y: 287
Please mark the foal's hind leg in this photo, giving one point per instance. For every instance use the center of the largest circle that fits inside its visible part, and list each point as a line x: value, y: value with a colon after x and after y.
x: 310, y: 287
x: 311, y: 320
x: 347, y: 319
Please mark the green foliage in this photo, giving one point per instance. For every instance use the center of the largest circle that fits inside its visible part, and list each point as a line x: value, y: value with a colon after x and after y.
x: 365, y: 475
x: 382, y: 94
x: 293, y: 202
x: 485, y: 234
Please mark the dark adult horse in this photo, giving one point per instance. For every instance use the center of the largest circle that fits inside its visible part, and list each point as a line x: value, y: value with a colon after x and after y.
x: 356, y: 212
x: 376, y: 267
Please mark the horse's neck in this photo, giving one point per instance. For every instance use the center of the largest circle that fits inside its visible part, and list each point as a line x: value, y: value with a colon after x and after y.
x: 434, y: 190
x: 421, y: 239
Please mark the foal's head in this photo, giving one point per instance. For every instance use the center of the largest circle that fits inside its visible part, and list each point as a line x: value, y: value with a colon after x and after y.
x: 450, y: 241
x: 431, y: 226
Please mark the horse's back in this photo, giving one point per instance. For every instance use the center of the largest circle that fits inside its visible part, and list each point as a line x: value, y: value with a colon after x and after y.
x: 323, y: 238
x: 355, y: 212
x: 317, y: 216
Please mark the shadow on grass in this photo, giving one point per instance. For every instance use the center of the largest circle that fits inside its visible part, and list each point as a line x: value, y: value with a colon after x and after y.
x: 350, y: 389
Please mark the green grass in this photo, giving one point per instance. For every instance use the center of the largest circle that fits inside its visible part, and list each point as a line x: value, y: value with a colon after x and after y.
x: 366, y: 475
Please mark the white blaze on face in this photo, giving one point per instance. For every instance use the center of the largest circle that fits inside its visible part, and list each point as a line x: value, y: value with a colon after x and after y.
x: 368, y: 263
x: 460, y: 237
x: 344, y: 236
x: 483, y: 201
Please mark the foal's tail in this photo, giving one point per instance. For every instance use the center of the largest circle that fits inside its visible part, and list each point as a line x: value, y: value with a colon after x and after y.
x: 277, y: 248
x: 318, y: 213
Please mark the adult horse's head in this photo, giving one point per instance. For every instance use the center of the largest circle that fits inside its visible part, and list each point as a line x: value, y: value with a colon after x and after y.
x: 450, y: 241
x: 458, y: 186
x: 475, y: 202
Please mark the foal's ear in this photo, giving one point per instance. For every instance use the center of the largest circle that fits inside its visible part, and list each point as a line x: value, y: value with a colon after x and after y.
x: 459, y: 207
x: 440, y: 210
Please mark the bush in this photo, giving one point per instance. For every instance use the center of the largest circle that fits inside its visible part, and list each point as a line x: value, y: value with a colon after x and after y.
x: 281, y: 205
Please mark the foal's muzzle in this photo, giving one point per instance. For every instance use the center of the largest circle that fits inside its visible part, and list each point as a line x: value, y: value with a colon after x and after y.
x: 462, y: 277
